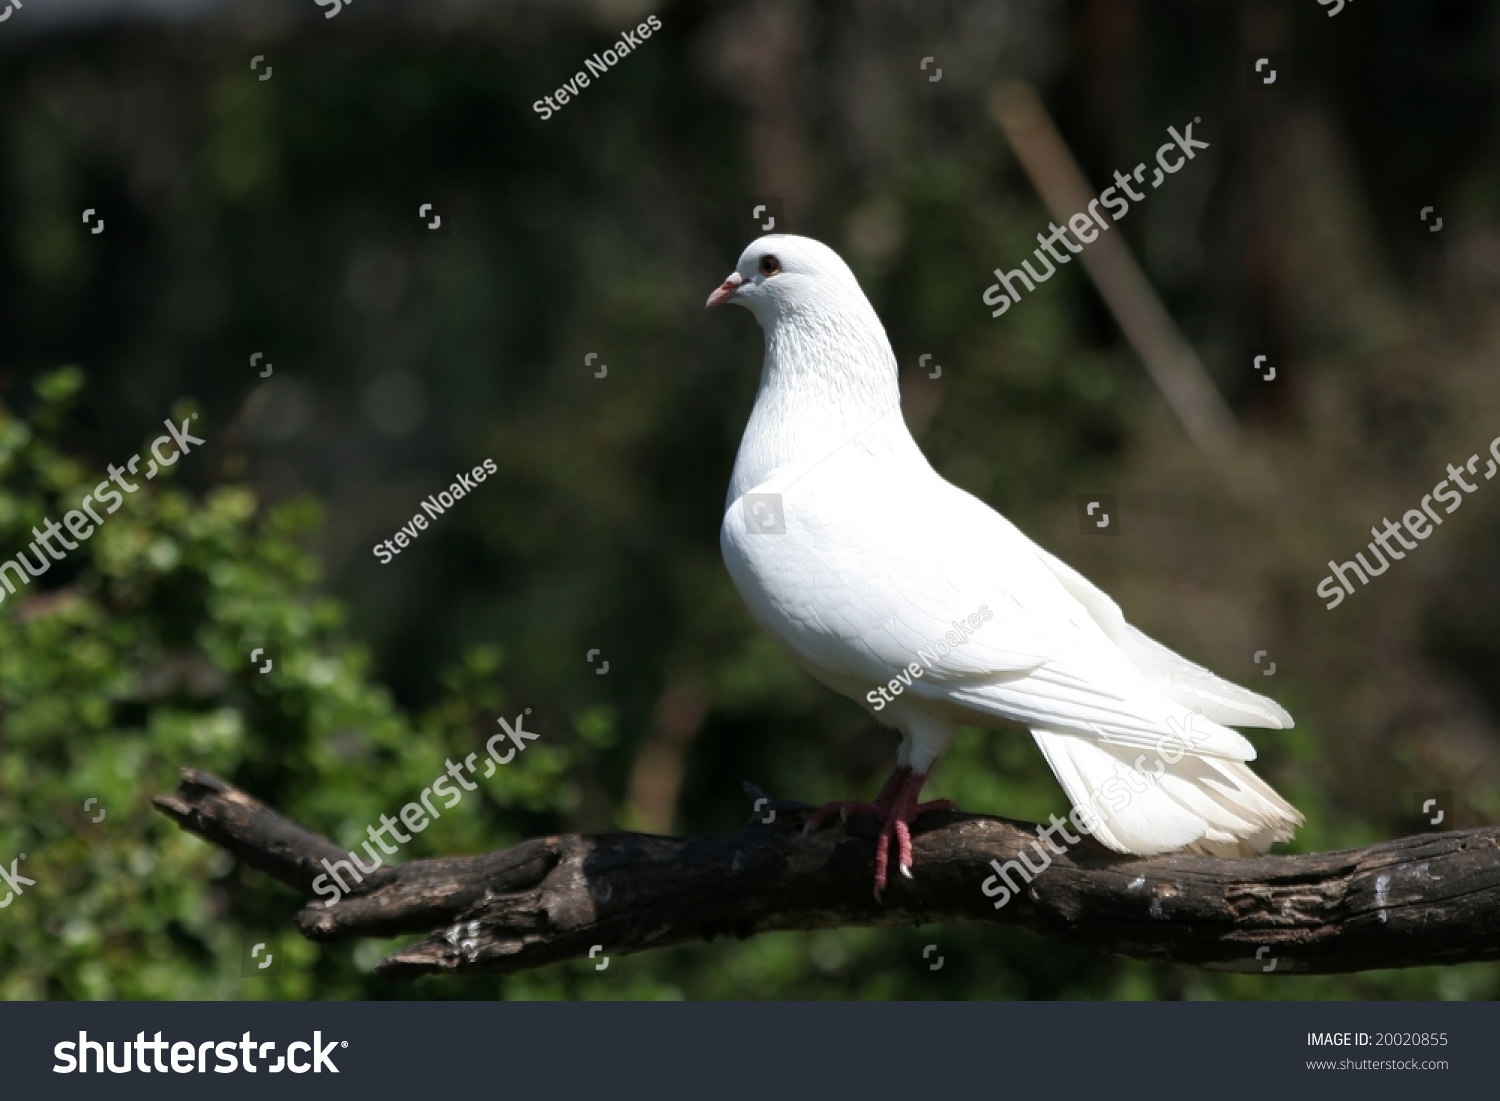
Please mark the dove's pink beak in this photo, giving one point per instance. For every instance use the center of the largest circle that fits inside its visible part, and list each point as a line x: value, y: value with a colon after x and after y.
x: 726, y: 290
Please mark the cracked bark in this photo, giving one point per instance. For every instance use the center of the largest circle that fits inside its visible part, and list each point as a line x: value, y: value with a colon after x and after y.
x: 1427, y: 899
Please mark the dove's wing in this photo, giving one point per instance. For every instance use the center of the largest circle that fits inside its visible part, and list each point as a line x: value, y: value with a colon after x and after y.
x: 1173, y: 675
x: 879, y: 561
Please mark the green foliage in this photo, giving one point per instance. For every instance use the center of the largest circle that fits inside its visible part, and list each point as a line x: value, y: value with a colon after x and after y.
x: 138, y: 663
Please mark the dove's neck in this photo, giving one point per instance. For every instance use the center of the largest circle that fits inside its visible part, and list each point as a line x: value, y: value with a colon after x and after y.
x: 828, y: 384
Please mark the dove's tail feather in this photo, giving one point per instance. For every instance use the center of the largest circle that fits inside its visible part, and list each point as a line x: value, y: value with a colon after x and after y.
x: 1144, y: 805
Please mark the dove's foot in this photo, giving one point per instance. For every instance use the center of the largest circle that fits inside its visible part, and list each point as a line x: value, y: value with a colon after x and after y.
x: 845, y: 807
x: 897, y: 808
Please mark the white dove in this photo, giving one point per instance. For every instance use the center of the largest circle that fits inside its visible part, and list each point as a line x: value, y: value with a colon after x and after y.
x: 919, y: 601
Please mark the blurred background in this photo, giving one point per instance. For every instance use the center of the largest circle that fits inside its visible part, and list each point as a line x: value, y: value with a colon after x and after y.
x: 270, y: 207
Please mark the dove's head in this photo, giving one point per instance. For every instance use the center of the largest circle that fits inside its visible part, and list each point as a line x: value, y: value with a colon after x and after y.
x: 782, y: 274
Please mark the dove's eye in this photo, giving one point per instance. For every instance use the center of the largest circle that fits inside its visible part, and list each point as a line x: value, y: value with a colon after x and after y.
x: 769, y: 265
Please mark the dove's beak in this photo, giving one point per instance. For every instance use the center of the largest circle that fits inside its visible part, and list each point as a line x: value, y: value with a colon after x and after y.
x: 726, y: 291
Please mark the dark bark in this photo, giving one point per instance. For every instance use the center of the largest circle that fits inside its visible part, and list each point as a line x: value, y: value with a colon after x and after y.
x: 1428, y: 899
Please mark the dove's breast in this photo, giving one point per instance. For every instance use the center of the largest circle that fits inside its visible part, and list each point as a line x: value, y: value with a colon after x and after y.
x: 862, y: 567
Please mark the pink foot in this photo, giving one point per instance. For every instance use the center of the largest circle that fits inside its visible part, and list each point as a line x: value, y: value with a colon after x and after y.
x: 845, y: 807
x: 897, y: 807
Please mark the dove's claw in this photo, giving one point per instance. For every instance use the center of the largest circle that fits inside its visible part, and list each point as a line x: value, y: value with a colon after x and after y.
x: 843, y: 808
x: 896, y: 807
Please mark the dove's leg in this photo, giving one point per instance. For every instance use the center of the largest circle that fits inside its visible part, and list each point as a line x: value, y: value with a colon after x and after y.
x: 896, y: 807
x: 924, y: 737
x: 903, y: 812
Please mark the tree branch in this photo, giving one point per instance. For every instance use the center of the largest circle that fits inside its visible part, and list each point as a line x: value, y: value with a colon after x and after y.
x: 1428, y: 899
